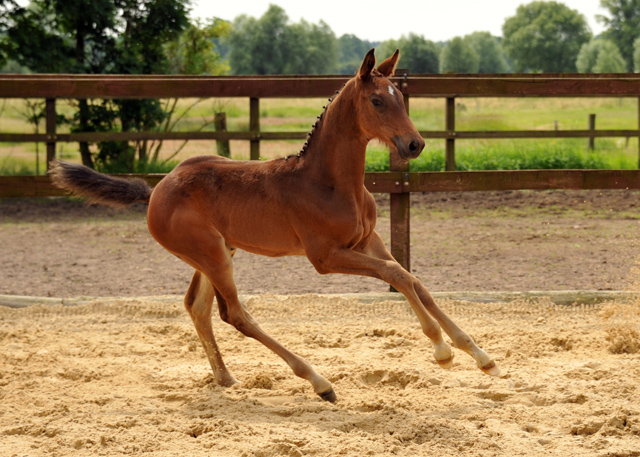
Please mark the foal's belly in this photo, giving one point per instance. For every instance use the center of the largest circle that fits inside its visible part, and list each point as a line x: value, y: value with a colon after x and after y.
x: 257, y: 228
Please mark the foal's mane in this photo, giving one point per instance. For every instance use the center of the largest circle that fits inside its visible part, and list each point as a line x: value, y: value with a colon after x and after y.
x: 374, y: 73
x: 315, y: 125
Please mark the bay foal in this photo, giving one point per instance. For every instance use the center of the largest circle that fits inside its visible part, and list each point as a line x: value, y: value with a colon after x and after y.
x: 313, y: 204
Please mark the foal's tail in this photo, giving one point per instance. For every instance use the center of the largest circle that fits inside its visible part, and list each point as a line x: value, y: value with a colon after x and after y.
x: 97, y: 187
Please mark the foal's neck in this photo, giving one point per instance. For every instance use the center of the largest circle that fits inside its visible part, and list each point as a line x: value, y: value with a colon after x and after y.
x: 336, y: 150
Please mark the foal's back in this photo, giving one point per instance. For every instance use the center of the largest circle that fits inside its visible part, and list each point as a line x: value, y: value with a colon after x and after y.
x: 264, y: 207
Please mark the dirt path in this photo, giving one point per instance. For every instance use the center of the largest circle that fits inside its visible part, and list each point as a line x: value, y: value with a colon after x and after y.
x: 128, y: 377
x: 509, y: 241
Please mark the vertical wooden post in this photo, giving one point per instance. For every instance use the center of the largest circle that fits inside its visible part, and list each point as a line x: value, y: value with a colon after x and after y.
x: 220, y: 122
x: 254, y: 127
x: 450, y: 158
x: 639, y: 136
x: 400, y: 208
x: 50, y: 120
x: 592, y: 127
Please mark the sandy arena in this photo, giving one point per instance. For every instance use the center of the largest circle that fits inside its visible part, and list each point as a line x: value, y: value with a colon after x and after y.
x: 127, y: 376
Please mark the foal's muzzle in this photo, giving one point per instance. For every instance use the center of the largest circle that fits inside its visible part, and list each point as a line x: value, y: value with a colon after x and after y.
x: 409, y: 145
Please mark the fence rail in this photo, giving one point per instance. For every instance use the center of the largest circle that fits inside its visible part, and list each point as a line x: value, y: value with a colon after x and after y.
x: 399, y: 183
x: 449, y: 87
x: 403, y: 183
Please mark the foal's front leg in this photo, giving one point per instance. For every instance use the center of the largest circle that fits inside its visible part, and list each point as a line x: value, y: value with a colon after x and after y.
x: 373, y: 259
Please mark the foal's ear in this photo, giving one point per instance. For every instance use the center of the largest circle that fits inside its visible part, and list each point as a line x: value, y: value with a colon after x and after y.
x: 367, y: 65
x: 388, y: 67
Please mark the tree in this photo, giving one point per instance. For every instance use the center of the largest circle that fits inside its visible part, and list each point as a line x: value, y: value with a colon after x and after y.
x: 271, y: 45
x: 458, y: 56
x: 55, y: 36
x: 489, y: 51
x: 194, y: 51
x: 259, y: 45
x: 600, y: 56
x: 312, y: 49
x: 545, y: 37
x: 100, y: 36
x: 351, y: 50
x: 417, y: 54
x: 623, y: 26
x: 6, y: 9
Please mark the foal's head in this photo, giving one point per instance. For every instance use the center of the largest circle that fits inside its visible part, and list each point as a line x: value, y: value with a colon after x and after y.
x: 380, y: 108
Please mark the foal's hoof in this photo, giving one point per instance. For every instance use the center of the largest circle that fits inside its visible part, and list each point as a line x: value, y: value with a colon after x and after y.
x: 446, y: 363
x: 227, y: 381
x: 329, y: 396
x: 491, y: 368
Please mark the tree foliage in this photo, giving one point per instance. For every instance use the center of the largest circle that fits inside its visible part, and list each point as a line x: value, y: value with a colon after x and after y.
x: 272, y: 45
x: 351, y: 50
x: 545, y: 37
x: 312, y: 50
x: 623, y: 26
x: 100, y: 36
x: 458, y: 56
x: 417, y: 54
x: 195, y: 52
x: 489, y: 51
x: 6, y: 9
x: 600, y: 56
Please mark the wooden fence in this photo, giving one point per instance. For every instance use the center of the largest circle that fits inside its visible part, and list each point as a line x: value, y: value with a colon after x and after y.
x: 399, y: 183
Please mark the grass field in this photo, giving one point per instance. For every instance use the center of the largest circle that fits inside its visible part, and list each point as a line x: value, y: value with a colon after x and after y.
x: 279, y: 115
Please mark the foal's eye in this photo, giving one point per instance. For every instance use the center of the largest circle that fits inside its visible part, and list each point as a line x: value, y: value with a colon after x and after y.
x: 376, y: 102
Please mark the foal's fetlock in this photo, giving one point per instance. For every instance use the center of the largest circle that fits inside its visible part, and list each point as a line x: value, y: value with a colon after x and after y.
x: 486, y: 363
x: 224, y: 378
x: 444, y: 356
x: 226, y: 381
x: 322, y: 387
x: 490, y: 368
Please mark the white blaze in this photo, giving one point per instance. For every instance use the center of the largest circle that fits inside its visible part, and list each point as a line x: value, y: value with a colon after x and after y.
x: 391, y: 91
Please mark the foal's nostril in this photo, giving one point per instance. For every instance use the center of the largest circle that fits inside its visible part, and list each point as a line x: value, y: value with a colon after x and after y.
x: 414, y: 146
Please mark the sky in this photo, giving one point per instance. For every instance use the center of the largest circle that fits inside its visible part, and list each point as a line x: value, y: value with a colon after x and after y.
x: 436, y: 20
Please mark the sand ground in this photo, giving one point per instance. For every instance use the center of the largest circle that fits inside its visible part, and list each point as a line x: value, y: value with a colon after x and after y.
x: 128, y: 377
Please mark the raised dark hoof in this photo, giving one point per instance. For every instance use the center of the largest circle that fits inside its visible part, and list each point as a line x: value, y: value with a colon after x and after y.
x: 329, y: 396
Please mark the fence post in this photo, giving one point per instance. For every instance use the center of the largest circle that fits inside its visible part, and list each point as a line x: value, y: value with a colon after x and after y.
x: 592, y: 127
x: 254, y: 127
x: 220, y: 122
x: 450, y: 158
x: 639, y: 136
x: 50, y: 120
x: 400, y: 210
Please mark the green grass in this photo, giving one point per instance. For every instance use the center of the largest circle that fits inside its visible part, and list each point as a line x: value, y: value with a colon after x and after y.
x: 515, y: 155
x: 10, y: 166
x: 281, y: 115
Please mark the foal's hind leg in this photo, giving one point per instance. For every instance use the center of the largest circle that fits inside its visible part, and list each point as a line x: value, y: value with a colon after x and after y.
x: 216, y: 263
x: 199, y: 301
